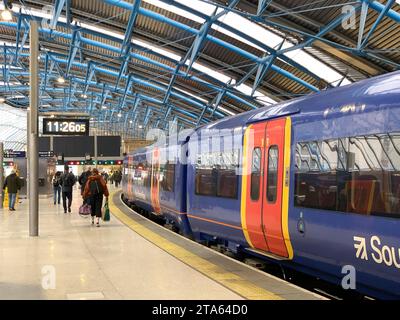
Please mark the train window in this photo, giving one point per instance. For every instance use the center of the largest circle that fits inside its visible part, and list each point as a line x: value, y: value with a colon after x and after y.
x: 146, y: 174
x: 272, y: 174
x: 255, y: 174
x: 167, y: 176
x: 216, y: 174
x: 354, y: 174
x: 227, y: 183
x: 206, y: 182
x: 316, y: 165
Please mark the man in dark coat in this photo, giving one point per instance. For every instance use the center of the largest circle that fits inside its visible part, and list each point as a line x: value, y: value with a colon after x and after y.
x: 67, y: 182
x: 117, y: 178
x: 13, y: 184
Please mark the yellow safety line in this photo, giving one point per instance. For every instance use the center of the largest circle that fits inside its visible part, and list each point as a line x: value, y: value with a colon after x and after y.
x: 243, y: 209
x: 286, y: 185
x: 233, y: 282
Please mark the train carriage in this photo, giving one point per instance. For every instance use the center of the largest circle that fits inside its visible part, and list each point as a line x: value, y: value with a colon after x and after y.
x: 313, y: 184
x: 153, y: 183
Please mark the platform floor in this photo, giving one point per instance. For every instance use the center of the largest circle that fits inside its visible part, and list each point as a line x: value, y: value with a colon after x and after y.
x: 129, y: 257
x: 248, y: 282
x: 110, y: 262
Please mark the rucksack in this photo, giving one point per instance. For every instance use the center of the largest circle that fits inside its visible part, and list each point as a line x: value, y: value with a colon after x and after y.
x: 83, y: 178
x: 95, y: 187
x: 56, y: 182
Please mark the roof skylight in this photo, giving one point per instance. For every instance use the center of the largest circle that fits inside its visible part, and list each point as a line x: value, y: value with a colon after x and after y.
x: 255, y: 31
x: 261, y: 34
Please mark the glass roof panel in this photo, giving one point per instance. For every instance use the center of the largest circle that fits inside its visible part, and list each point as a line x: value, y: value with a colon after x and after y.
x: 12, y: 127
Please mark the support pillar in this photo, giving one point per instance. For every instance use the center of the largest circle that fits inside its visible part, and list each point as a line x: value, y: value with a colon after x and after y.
x: 33, y: 154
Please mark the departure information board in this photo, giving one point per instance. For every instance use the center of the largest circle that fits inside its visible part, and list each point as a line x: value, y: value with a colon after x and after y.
x: 66, y: 127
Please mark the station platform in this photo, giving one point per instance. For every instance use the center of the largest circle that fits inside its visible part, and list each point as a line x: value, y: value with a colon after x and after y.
x: 129, y: 257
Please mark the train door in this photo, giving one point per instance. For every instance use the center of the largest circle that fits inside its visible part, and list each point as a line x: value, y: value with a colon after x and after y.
x: 265, y: 186
x: 252, y: 180
x: 155, y: 181
x: 271, y: 217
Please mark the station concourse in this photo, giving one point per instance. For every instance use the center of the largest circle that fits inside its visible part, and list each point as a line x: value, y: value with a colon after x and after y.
x: 110, y: 262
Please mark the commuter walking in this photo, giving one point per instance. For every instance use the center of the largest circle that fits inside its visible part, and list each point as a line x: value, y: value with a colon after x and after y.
x: 106, y: 177
x: 83, y: 179
x: 111, y: 177
x: 67, y: 182
x: 13, y: 184
x: 57, y: 187
x: 117, y: 178
x: 94, y: 191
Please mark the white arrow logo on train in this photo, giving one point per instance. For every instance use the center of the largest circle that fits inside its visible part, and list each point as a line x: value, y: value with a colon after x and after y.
x: 361, y: 247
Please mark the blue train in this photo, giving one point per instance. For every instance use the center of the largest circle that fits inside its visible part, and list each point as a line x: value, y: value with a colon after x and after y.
x: 313, y: 184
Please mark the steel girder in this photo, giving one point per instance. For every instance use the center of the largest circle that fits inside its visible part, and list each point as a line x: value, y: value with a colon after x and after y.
x: 126, y: 93
x: 229, y: 46
x: 133, y: 55
x: 375, y: 5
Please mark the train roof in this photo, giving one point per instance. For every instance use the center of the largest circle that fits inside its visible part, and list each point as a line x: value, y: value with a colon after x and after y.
x: 373, y: 93
x: 173, y: 140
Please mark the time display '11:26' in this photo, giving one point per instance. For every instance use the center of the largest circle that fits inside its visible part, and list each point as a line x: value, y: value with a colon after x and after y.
x: 65, y: 126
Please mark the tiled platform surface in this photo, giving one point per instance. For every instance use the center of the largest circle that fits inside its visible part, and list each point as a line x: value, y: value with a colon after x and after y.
x: 246, y: 281
x: 85, y: 262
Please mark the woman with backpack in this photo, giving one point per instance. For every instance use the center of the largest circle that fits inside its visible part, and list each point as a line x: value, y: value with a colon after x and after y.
x: 95, y: 189
x: 57, y: 187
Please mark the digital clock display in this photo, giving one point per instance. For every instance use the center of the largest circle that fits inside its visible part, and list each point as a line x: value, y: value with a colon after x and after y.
x: 70, y: 127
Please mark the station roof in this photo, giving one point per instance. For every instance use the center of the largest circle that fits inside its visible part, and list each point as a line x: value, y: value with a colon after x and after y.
x: 133, y: 65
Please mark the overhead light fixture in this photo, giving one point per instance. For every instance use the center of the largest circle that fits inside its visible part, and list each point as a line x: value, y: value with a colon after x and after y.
x: 60, y: 80
x: 130, y: 121
x: 84, y: 96
x: 91, y: 119
x: 52, y: 116
x: 6, y: 15
x: 140, y: 126
x: 119, y: 115
x: 104, y: 107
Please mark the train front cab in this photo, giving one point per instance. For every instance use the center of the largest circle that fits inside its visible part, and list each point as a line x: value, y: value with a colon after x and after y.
x: 126, y: 179
x: 137, y: 183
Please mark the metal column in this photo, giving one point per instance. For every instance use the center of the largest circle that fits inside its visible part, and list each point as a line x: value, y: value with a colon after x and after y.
x: 95, y: 148
x: 51, y: 143
x: 33, y: 155
x: 1, y: 173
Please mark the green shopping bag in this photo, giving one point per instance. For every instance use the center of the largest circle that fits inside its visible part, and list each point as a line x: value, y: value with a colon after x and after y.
x: 106, y: 212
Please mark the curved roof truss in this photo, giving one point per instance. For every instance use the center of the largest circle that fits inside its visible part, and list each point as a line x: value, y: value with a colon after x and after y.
x: 145, y: 63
